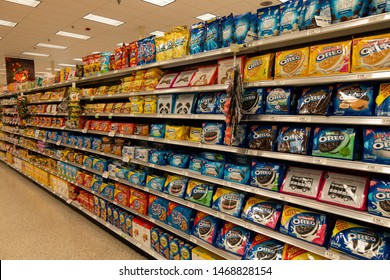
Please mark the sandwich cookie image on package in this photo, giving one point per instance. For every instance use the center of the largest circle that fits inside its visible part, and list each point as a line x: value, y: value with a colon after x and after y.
x: 315, y: 101
x: 262, y: 137
x: 278, y: 101
x: 253, y: 101
x: 359, y: 241
x: 228, y: 201
x: 242, y: 25
x: 212, y: 168
x: 206, y: 227
x: 354, y: 100
x: 290, y: 16
x: 379, y: 198
x: 176, y: 185
x: 207, y: 103
x: 233, y: 238
x: 303, y: 224
x: 263, y: 247
x: 292, y: 63
x: 199, y: 192
x: 262, y: 211
x: 294, y: 140
x: 266, y: 175
x: 376, y: 145
x: 213, y: 133
x: 268, y: 22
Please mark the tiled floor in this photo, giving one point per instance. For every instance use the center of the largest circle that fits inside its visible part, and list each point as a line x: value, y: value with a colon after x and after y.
x: 36, y: 226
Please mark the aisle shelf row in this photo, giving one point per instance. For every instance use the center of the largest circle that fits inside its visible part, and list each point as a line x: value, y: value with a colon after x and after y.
x: 10, y: 114
x: 56, y: 114
x: 46, y: 101
x: 213, y: 117
x: 9, y: 95
x: 9, y: 104
x: 75, y: 204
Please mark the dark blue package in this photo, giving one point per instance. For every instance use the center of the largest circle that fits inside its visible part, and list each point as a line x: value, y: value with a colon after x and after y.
x: 228, y: 29
x: 315, y: 100
x: 252, y: 32
x: 240, y: 137
x: 213, y: 35
x: 176, y: 185
x: 377, y: 7
x: 242, y: 24
x: 179, y: 160
x: 207, y: 103
x: 213, y: 133
x: 236, y: 173
x: 158, y: 157
x: 290, y: 16
x: 146, y: 51
x: 313, y: 9
x: 294, y: 140
x: 278, y: 101
x: 157, y: 130
x: 365, y: 10
x: 180, y: 217
x: 267, y: 175
x: 262, y: 137
x: 221, y: 100
x: 212, y: 168
x: 195, y: 163
x: 344, y: 11
x: 376, y: 145
x: 379, y: 198
x: 233, y: 238
x: 212, y: 156
x: 262, y: 211
x: 206, y: 227
x: 158, y: 208
x: 354, y: 100
x: 197, y: 37
x: 263, y: 247
x: 268, y: 22
x: 253, y: 101
x: 383, y: 100
x: 359, y: 241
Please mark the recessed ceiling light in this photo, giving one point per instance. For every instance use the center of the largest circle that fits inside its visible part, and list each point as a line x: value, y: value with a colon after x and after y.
x: 206, y: 16
x: 56, y: 69
x: 104, y: 20
x: 30, y: 3
x: 36, y: 54
x: 44, y: 45
x: 157, y: 33
x: 1, y: 38
x: 266, y: 3
x: 160, y: 3
x: 7, y: 23
x: 64, y: 64
x: 77, y: 59
x: 73, y: 35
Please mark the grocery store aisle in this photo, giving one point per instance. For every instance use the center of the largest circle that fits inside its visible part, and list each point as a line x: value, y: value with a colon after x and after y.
x: 35, y: 225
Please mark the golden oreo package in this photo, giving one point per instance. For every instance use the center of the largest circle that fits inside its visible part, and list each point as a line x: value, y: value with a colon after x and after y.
x: 371, y: 53
x: 292, y: 63
x: 258, y: 68
x: 330, y: 59
x: 195, y: 134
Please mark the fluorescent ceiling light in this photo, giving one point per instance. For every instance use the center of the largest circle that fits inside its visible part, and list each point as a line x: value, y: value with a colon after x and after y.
x: 284, y: 1
x: 157, y: 33
x: 1, y: 38
x: 44, y: 45
x: 36, y: 54
x: 7, y: 23
x: 64, y: 64
x: 160, y: 3
x: 77, y: 59
x: 30, y: 3
x: 206, y: 16
x: 55, y: 69
x: 104, y: 20
x: 73, y: 35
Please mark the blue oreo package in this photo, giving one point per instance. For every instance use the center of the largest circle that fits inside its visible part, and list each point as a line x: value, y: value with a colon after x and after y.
x: 252, y: 32
x: 137, y: 177
x: 315, y: 100
x: 178, y: 160
x: 383, y: 99
x: 158, y: 208
x: 262, y: 137
x: 354, y: 100
x: 176, y: 185
x: 279, y: 101
x: 343, y: 10
x: 253, y: 101
x: 155, y: 182
x: 158, y: 157
x: 213, y: 156
x: 294, y: 140
x: 313, y: 9
x: 213, y: 34
x: 290, y: 16
x: 365, y: 10
x: 266, y: 175
x: 206, y: 227
x: 360, y: 241
x: 212, y: 168
x: 180, y: 217
x: 236, y: 173
x: 240, y: 137
x: 221, y: 101
x: 213, y: 133
x: 376, y: 147
x: 233, y: 238
x: 207, y: 103
x: 379, y: 198
x: 195, y: 163
x: 228, y: 28
x: 263, y: 247
x: 377, y: 7
x: 157, y: 130
x: 242, y: 25
x: 197, y: 37
x: 268, y: 22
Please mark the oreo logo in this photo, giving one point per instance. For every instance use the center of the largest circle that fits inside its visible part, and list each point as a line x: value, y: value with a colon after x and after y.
x: 347, y: 93
x: 292, y: 137
x: 276, y: 97
x: 255, y: 64
x: 331, y: 138
x: 231, y: 196
x: 306, y: 222
x: 362, y: 236
x: 313, y: 98
x: 289, y: 59
x: 381, y: 145
x: 328, y: 54
x: 374, y: 48
x: 382, y: 196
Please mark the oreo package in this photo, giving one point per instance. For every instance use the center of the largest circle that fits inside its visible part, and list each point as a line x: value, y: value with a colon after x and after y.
x: 302, y: 182
x: 377, y: 7
x: 199, y: 192
x: 195, y: 163
x: 212, y: 133
x: 236, y: 173
x: 175, y: 185
x: 263, y: 247
x: 157, y: 130
x: 335, y: 142
x: 315, y: 9
x: 268, y: 22
x: 345, y: 11
x: 354, y: 100
x: 233, y: 238
x: 212, y: 168
x: 278, y: 101
x: 158, y: 208
x: 178, y: 160
x: 266, y: 175
x: 242, y: 25
x: 213, y: 34
x: 376, y: 145
x: 290, y: 16
x: 344, y: 190
x: 262, y: 137
x: 240, y: 137
x: 315, y: 100
x: 205, y: 227
x: 155, y: 182
x: 262, y: 211
x: 158, y: 157
x: 222, y: 97
x: 253, y: 101
x: 227, y: 26
x: 180, y: 217
x: 379, y: 198
x: 359, y: 241
x: 197, y: 37
x: 383, y: 99
x: 294, y: 140
x: 207, y: 103
x: 228, y: 201
x: 304, y: 224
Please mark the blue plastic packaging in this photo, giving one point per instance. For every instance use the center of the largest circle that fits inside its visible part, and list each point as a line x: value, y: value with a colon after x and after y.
x: 268, y: 22
x: 267, y: 175
x: 383, y: 99
x: 176, y: 185
x: 233, y: 238
x: 158, y: 209
x: 146, y: 51
x: 207, y: 103
x: 157, y: 130
x: 315, y: 100
x: 206, y: 227
x: 195, y: 163
x: 240, y: 137
x: 158, y: 157
x: 379, y: 198
x: 180, y: 217
x: 343, y: 10
x: 253, y: 101
x: 294, y: 140
x: 155, y: 182
x: 262, y: 137
x: 263, y: 247
x: 290, y: 16
x: 376, y: 145
x: 278, y: 101
x: 354, y: 100
x: 377, y: 7
x: 242, y: 25
x: 236, y: 173
x: 213, y: 133
x: 197, y: 38
x: 221, y: 100
x: 179, y: 160
x: 228, y: 29
x: 252, y: 32
x: 213, y: 34
x: 212, y: 168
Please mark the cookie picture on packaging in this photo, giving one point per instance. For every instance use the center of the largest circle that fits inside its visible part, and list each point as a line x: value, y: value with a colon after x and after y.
x: 252, y: 101
x: 199, y: 192
x: 379, y: 198
x: 292, y: 63
x: 263, y: 247
x: 354, y: 100
x: 184, y: 104
x: 265, y: 175
x: 302, y: 182
x: 184, y: 79
x: 383, y: 100
x: 237, y: 173
x: 278, y: 101
x: 233, y: 238
x: 180, y: 217
x: 228, y: 201
x: 207, y: 103
x: 212, y: 133
x: 205, y: 227
x: 262, y: 138
x: 175, y: 185
x: 262, y: 211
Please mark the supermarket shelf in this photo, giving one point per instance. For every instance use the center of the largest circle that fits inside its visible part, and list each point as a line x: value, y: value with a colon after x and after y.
x: 8, y: 95
x: 50, y: 114
x: 9, y: 104
x: 213, y: 117
x: 57, y: 85
x: 211, y: 88
x: 322, y: 80
x: 355, y: 120
x: 372, y: 23
x: 46, y: 101
x: 10, y: 114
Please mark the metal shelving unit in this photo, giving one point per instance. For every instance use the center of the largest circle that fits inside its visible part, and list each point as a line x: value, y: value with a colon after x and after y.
x: 46, y: 101
x: 213, y: 117
x: 56, y: 114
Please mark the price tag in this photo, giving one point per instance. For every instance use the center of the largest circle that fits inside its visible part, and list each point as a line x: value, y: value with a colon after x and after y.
x: 251, y: 152
x: 152, y: 165
x: 191, y: 205
x: 106, y: 174
x: 95, y: 217
x: 221, y: 216
x: 96, y: 116
x: 69, y: 201
x: 110, y: 115
x: 277, y: 82
x: 83, y: 167
x: 164, y: 195
x: 364, y: 76
x: 146, y: 189
x: 249, y: 226
x: 91, y: 98
x: 107, y: 225
x: 319, y: 160
x: 138, y: 245
x: 386, y: 120
x: 376, y: 18
x: 195, y: 89
x: 123, y: 235
x: 331, y: 255
x: 195, y: 116
x: 58, y: 142
x: 252, y: 190
x: 193, y: 240
x: 150, y: 139
x: 116, y: 179
x: 126, y: 158
x: 73, y: 85
x: 226, y: 183
x: 284, y: 197
x: 152, y: 220
x: 313, y: 31
x: 116, y: 203
x: 185, y: 173
x: 112, y: 133
x: 378, y: 221
x: 304, y: 119
x: 373, y: 168
x: 120, y: 135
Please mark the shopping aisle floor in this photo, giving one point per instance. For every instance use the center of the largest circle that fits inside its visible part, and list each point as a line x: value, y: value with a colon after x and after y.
x: 35, y: 225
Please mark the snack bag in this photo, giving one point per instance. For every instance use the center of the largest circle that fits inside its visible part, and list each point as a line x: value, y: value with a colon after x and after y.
x: 290, y: 16
x: 258, y: 68
x: 292, y: 63
x: 160, y: 48
x: 383, y: 100
x: 344, y: 11
x: 213, y: 36
x: 197, y: 37
x: 268, y: 22
x: 228, y: 28
x: 242, y: 25
x: 181, y: 38
x: 133, y: 54
x: 169, y: 37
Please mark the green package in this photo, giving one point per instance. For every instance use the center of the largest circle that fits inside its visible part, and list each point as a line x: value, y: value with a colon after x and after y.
x: 199, y: 192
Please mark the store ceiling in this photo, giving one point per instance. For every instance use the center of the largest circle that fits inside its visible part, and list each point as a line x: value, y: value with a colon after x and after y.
x: 39, y: 25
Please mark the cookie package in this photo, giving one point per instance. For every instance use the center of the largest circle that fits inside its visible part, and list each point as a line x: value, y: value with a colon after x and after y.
x: 379, y: 198
x: 292, y: 63
x: 184, y: 103
x: 206, y: 227
x: 279, y: 101
x: 315, y: 100
x: 236, y: 173
x: 354, y: 100
x: 266, y: 175
x: 176, y: 185
x: 360, y: 241
x: 268, y: 22
x: 383, y: 100
x: 258, y: 68
x: 228, y: 201
x: 262, y: 137
x: 344, y: 190
x: 262, y: 247
x: 262, y: 211
x: 304, y: 224
x: 199, y: 192
x: 253, y: 101
x: 291, y: 252
x: 180, y: 217
x: 344, y: 12
x: 206, y: 104
x: 233, y: 238
x: 213, y: 133
x: 158, y: 208
x: 290, y: 16
x: 294, y: 140
x: 302, y: 182
x: 335, y: 142
x: 376, y: 145
x: 212, y: 168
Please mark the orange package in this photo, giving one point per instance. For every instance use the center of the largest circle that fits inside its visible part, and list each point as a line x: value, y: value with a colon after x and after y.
x: 139, y: 201
x: 126, y: 128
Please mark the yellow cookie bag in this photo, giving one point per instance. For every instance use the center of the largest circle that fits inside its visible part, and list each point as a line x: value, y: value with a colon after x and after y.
x: 371, y: 53
x: 169, y: 37
x: 160, y: 43
x: 181, y: 38
x: 292, y: 63
x: 330, y: 59
x: 258, y: 68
